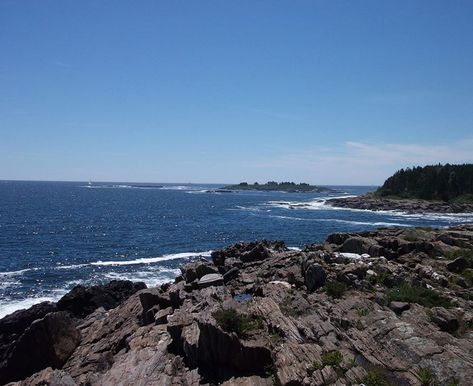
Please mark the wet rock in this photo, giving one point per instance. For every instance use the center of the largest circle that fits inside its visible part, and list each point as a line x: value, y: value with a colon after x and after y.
x: 81, y: 301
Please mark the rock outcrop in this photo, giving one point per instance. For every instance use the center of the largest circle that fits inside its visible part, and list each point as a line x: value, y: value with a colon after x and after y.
x: 382, y: 307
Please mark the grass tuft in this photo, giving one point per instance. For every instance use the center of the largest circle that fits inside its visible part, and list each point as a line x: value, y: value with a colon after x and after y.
x: 426, y: 376
x: 335, y: 289
x: 424, y: 296
x: 232, y: 321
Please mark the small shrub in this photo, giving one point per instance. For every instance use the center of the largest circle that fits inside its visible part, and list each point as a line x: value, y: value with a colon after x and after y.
x: 374, y: 378
x: 384, y: 278
x: 362, y: 311
x: 231, y: 321
x: 420, y: 295
x: 332, y: 358
x: 426, y: 376
x: 335, y: 289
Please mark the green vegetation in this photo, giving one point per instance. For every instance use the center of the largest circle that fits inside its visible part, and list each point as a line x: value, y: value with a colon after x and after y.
x: 335, y: 289
x: 426, y: 376
x: 375, y: 378
x: 332, y: 358
x: 278, y: 186
x: 420, y: 295
x: 384, y: 278
x: 232, y: 321
x: 452, y: 183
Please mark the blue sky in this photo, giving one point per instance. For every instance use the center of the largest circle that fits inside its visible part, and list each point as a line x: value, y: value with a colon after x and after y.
x: 328, y: 92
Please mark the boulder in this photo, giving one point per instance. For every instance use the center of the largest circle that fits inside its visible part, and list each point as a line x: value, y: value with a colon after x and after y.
x: 444, y: 319
x: 48, y: 342
x: 161, y: 317
x: 314, y: 277
x: 212, y: 279
x: 231, y: 274
x: 81, y: 301
x: 458, y: 265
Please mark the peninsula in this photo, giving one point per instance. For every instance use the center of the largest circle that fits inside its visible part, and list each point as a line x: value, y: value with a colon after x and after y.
x: 271, y: 186
x: 430, y: 189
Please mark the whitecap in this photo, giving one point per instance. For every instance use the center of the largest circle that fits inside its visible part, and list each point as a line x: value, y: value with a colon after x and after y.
x: 148, y: 260
x: 19, y: 272
x: 73, y: 266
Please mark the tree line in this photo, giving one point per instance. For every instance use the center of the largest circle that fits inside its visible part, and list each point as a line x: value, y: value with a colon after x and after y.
x: 432, y: 182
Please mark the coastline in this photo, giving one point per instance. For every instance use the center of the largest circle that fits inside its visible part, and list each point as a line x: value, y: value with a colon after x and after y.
x: 410, y: 206
x: 261, y: 312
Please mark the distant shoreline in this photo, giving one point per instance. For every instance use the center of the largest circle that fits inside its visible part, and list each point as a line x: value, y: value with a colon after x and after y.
x: 289, y: 187
x: 411, y: 206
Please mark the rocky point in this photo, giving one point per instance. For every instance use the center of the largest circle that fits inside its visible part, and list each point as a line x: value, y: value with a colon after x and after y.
x: 386, y: 307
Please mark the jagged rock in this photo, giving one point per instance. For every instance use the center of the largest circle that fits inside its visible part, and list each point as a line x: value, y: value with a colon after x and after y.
x: 293, y: 360
x: 81, y: 301
x: 15, y: 324
x: 161, y: 317
x: 458, y: 265
x: 46, y: 342
x: 221, y: 354
x: 18, y: 321
x: 248, y: 381
x: 444, y: 319
x: 337, y: 238
x: 212, y: 279
x: 47, y: 377
x: 314, y: 277
x: 231, y: 274
x: 285, y: 328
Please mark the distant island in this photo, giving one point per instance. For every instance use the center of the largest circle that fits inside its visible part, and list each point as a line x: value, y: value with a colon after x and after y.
x: 271, y: 186
x: 433, y: 188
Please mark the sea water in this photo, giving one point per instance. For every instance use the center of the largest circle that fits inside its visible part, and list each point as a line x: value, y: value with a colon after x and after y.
x: 55, y: 235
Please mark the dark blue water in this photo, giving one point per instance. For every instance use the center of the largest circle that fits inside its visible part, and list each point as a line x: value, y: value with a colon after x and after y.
x: 54, y: 235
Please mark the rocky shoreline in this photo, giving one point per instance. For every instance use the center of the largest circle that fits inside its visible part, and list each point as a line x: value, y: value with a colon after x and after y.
x: 411, y: 206
x: 387, y: 307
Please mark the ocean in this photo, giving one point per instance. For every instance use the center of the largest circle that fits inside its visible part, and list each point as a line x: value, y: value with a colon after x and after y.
x: 55, y: 235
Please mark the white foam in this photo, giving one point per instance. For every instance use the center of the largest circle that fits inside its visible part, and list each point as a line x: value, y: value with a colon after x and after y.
x: 376, y: 223
x: 150, y: 278
x: 297, y: 249
x: 149, y: 260
x: 8, y: 307
x: 73, y: 266
x: 15, y: 273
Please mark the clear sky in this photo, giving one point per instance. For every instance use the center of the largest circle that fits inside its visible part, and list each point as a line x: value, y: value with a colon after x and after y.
x: 328, y: 92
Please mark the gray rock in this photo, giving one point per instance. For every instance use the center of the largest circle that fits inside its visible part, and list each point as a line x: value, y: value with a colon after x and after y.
x: 445, y: 319
x: 212, y: 279
x: 231, y: 274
